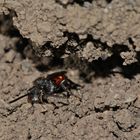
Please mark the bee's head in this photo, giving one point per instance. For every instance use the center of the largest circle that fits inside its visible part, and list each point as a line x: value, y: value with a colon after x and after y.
x: 34, y: 95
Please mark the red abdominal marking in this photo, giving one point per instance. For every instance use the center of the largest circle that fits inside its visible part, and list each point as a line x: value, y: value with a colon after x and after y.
x: 59, y: 79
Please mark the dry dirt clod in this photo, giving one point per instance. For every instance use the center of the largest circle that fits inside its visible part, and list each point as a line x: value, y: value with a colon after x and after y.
x: 124, y: 120
x: 10, y: 56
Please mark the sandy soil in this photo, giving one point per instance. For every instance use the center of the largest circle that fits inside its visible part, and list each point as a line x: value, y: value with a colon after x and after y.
x: 97, y: 42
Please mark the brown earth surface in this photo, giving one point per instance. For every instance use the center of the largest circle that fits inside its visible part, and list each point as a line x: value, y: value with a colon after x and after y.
x: 97, y: 42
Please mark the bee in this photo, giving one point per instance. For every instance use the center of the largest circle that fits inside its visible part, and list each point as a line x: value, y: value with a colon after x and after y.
x: 53, y: 84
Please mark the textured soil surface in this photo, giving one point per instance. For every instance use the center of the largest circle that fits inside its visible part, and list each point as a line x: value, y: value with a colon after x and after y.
x: 97, y: 42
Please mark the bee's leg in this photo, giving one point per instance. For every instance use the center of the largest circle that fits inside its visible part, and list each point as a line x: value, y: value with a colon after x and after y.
x: 44, y: 109
x: 72, y: 85
x: 68, y: 91
x: 45, y: 99
x: 31, y: 109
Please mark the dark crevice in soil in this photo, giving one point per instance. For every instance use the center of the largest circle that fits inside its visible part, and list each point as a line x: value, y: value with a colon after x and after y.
x: 131, y: 42
x: 6, y: 24
x: 102, y: 67
x: 71, y: 36
x: 21, y: 45
x: 129, y: 129
x: 108, y: 1
x: 113, y: 65
x: 81, y: 2
x: 71, y: 2
x: 115, y: 135
x: 107, y: 108
x: 49, y: 64
x: 98, y: 68
x: 105, y: 67
x: 41, y: 68
x: 8, y: 29
x: 73, y: 39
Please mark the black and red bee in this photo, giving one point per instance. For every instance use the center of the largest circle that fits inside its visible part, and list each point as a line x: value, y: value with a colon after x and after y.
x: 53, y: 84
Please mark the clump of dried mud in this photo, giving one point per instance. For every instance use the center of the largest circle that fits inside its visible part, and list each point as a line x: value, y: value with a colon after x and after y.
x: 97, y: 42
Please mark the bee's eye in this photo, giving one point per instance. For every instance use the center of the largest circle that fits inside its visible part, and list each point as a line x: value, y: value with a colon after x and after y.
x: 33, y: 99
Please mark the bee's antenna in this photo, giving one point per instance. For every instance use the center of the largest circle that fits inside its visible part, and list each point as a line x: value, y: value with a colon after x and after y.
x: 19, y: 98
